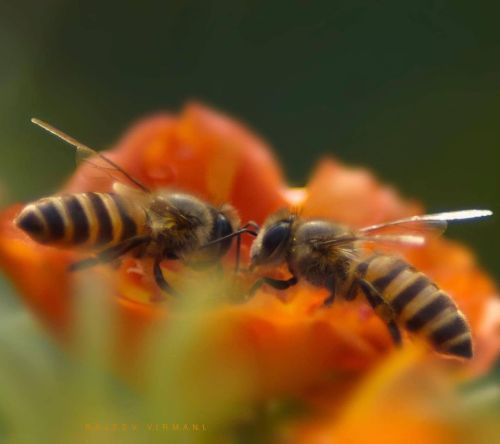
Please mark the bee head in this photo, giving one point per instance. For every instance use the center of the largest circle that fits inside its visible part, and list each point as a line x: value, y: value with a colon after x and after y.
x: 225, y: 221
x: 272, y: 243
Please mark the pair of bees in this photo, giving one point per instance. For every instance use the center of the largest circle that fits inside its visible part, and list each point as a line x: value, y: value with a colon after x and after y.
x: 176, y: 226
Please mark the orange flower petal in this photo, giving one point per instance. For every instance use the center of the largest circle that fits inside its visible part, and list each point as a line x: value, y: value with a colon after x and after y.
x: 391, y: 402
x: 352, y: 196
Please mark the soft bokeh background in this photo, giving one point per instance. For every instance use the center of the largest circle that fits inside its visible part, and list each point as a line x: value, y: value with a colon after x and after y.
x: 410, y: 90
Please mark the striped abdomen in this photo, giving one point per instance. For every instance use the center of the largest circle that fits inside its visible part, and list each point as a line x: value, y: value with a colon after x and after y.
x: 419, y: 305
x: 82, y: 219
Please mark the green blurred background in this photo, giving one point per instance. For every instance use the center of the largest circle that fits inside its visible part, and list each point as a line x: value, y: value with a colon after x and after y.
x: 408, y: 89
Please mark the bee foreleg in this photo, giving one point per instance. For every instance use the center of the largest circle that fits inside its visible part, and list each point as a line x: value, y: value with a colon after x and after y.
x: 382, y: 309
x: 275, y: 283
x: 160, y: 279
x: 243, y: 229
x: 248, y: 230
x: 351, y: 292
x: 331, y: 285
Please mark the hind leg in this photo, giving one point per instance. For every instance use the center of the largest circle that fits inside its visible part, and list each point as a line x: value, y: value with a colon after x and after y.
x: 275, y: 283
x: 161, y: 281
x: 382, y: 309
x: 110, y: 254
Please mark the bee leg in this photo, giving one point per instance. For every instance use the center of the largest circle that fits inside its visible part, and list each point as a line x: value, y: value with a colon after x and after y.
x: 351, y: 292
x: 238, y: 254
x: 247, y: 228
x: 382, y: 309
x: 160, y: 279
x: 275, y: 283
x: 395, y: 333
x: 332, y: 286
x: 108, y: 255
x: 141, y: 251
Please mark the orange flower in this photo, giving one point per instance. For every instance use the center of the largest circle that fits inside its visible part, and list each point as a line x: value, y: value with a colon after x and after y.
x: 289, y: 344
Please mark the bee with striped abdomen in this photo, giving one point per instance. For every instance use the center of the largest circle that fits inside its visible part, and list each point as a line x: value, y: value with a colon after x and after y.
x: 329, y: 255
x: 161, y: 224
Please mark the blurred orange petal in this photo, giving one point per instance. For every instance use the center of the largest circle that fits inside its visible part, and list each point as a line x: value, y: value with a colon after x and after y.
x: 402, y: 400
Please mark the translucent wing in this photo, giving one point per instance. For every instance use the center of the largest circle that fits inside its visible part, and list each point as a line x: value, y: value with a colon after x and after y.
x: 99, y: 164
x: 424, y: 224
x: 411, y: 231
x: 133, y: 194
x: 401, y: 239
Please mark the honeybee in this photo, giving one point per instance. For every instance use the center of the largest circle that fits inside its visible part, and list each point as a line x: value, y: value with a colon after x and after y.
x: 330, y: 255
x: 161, y: 224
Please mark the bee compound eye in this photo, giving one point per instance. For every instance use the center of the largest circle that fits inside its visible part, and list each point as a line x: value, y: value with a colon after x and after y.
x: 275, y: 236
x: 221, y: 228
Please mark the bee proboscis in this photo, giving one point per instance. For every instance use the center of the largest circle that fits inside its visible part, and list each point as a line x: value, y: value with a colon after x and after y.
x: 162, y: 224
x: 330, y: 255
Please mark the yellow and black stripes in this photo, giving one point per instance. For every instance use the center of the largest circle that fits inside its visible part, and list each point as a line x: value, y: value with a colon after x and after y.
x: 104, y: 234
x: 418, y: 304
x: 85, y: 219
x: 78, y: 219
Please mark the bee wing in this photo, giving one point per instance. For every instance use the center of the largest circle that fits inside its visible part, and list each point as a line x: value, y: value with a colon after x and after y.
x: 398, y: 239
x: 410, y: 231
x: 401, y: 239
x: 99, y: 163
x: 423, y: 225
x: 133, y: 194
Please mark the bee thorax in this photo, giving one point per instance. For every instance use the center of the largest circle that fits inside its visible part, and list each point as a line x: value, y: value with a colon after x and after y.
x: 180, y: 223
x: 317, y: 260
